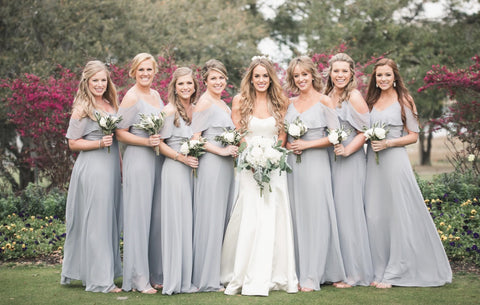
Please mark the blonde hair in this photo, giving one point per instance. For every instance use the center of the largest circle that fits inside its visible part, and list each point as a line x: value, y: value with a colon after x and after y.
x: 84, y: 101
x: 214, y: 65
x: 277, y: 101
x: 306, y: 63
x: 173, y: 97
x: 138, y: 59
x: 352, y: 84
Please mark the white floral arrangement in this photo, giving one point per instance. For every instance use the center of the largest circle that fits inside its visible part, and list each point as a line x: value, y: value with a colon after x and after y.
x: 296, y: 130
x: 377, y: 132
x: 107, y: 123
x: 262, y: 156
x: 258, y: 57
x: 337, y: 136
x: 152, y: 124
x: 194, y: 148
x: 230, y: 137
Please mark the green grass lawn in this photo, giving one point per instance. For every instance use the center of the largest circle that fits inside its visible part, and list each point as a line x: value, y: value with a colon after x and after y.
x: 29, y: 284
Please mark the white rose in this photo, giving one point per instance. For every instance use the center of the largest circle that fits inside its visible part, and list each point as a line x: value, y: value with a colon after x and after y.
x: 471, y: 158
x: 380, y: 133
x: 229, y: 137
x: 103, y: 122
x: 333, y: 138
x: 294, y: 130
x: 194, y: 143
x: 184, y: 148
x: 368, y: 133
x: 344, y: 135
x: 273, y: 155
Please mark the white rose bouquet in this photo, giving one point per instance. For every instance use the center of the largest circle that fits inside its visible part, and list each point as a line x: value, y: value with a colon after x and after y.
x: 230, y: 137
x: 296, y: 130
x: 337, y: 136
x: 152, y: 124
x: 194, y: 148
x: 107, y: 123
x: 377, y: 132
x: 262, y: 157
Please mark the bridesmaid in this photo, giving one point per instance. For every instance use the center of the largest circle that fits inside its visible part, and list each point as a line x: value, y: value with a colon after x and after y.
x: 141, y: 181
x: 406, y: 248
x: 317, y: 248
x: 213, y: 193
x: 92, y: 252
x: 348, y: 171
x: 177, y: 184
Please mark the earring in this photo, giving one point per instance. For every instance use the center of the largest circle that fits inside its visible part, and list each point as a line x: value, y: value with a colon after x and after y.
x: 376, y: 85
x: 175, y: 92
x: 394, y: 84
x: 194, y: 90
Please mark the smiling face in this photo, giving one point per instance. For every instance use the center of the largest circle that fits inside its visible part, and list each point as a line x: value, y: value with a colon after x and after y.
x: 340, y: 74
x: 97, y: 84
x: 303, y: 79
x: 145, y: 73
x: 185, y: 87
x: 384, y: 77
x: 216, y: 82
x: 260, y: 78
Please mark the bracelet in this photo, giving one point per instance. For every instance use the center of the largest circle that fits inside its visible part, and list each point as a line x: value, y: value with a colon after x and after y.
x: 99, y: 143
x: 176, y: 156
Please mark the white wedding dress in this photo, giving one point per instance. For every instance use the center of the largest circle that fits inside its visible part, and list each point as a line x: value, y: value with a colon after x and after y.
x: 258, y: 252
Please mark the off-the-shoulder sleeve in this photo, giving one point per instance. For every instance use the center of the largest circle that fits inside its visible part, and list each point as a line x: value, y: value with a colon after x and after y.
x: 78, y: 128
x: 129, y: 116
x: 359, y: 121
x: 201, y: 120
x: 411, y: 120
x: 331, y: 117
x: 167, y: 128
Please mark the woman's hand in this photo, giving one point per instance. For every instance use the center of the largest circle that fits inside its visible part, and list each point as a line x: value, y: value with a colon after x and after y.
x: 339, y: 150
x: 154, y: 140
x: 298, y: 146
x: 190, y: 161
x: 230, y: 150
x: 379, y: 145
x: 107, y: 140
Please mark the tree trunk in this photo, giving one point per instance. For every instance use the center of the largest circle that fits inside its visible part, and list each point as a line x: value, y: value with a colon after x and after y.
x: 425, y: 146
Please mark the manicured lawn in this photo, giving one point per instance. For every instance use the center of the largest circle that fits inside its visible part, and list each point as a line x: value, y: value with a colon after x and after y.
x: 30, y: 284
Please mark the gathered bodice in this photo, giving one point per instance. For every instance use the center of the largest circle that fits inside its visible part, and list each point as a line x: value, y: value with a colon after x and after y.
x: 211, y: 122
x: 261, y: 128
x: 351, y: 121
x: 318, y: 118
x: 392, y: 118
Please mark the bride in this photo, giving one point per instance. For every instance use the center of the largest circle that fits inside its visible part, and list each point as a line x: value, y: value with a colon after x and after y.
x: 258, y: 253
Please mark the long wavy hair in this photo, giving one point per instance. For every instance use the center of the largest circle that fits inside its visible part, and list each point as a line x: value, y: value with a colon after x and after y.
x: 373, y: 93
x: 277, y: 101
x: 173, y: 97
x: 84, y: 101
x: 352, y: 84
x: 305, y: 63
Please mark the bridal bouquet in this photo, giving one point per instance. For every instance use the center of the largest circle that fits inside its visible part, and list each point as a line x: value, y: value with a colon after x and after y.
x: 107, y: 123
x: 230, y: 137
x: 376, y: 133
x: 296, y: 130
x: 151, y: 123
x: 194, y: 148
x: 262, y: 156
x: 337, y: 136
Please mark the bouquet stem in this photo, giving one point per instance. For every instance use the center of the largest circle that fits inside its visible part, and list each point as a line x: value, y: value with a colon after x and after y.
x: 299, y: 158
x: 194, y: 171
x: 157, y: 150
x: 376, y: 157
x: 108, y: 149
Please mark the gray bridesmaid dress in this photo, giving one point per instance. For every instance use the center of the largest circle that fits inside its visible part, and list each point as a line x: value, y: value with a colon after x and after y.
x: 142, y: 260
x: 317, y: 248
x: 213, y: 197
x: 91, y: 250
x: 348, y: 181
x: 176, y: 221
x: 406, y: 249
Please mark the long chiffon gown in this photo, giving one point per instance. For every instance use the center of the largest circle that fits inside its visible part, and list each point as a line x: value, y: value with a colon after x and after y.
x: 213, y: 196
x: 177, y: 205
x: 142, y: 260
x: 348, y: 180
x: 258, y: 254
x: 93, y: 213
x: 317, y: 248
x: 406, y: 248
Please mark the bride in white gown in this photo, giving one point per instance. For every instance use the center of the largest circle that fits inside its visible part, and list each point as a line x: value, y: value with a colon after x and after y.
x: 258, y: 253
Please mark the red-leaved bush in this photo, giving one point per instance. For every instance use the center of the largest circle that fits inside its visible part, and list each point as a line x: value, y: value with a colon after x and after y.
x: 462, y: 120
